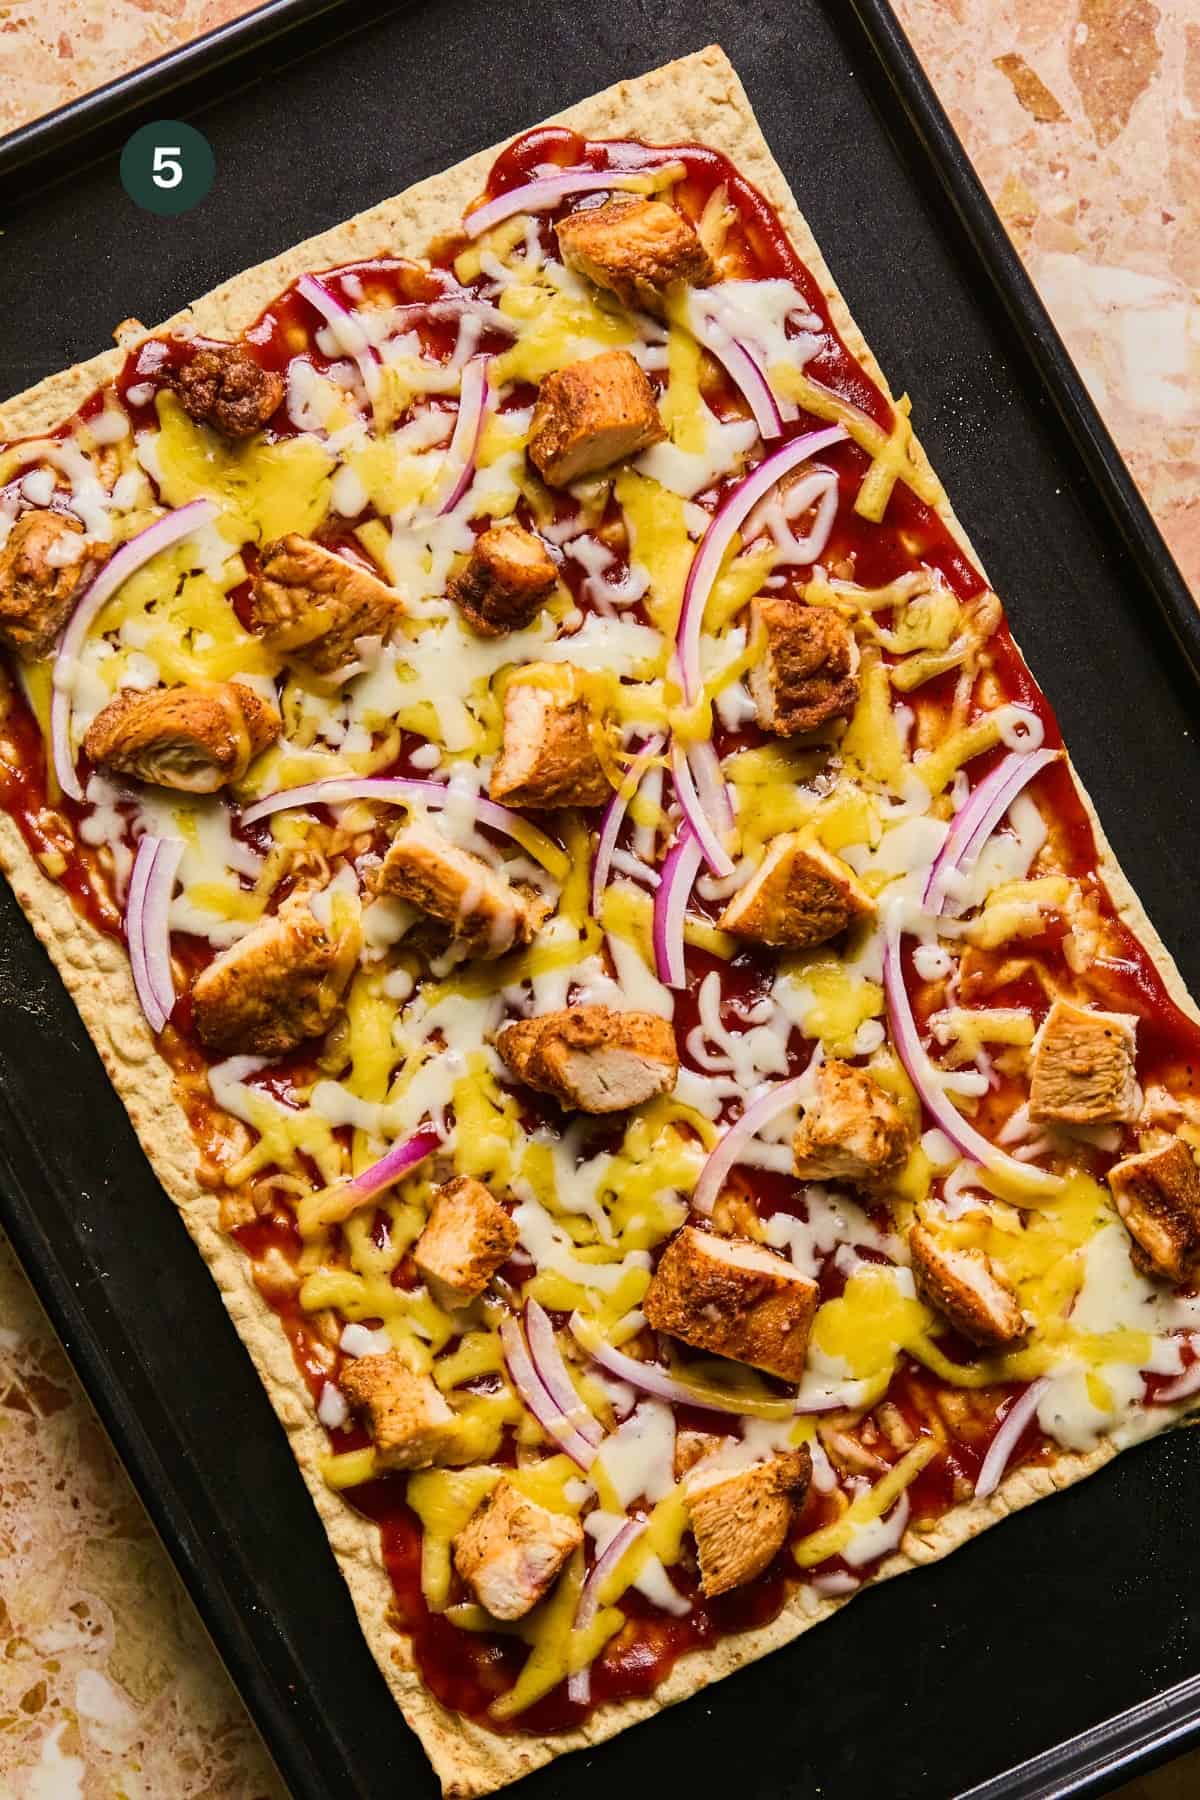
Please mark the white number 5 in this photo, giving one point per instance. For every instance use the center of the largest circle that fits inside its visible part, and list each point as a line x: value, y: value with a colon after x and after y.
x: 168, y: 170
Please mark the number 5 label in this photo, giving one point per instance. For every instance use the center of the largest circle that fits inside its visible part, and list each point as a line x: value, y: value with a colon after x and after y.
x: 167, y: 170
x: 167, y: 167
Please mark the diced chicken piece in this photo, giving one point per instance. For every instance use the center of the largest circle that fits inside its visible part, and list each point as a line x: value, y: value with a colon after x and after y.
x: 225, y: 386
x: 483, y: 911
x: 590, y: 415
x: 740, y: 1519
x: 1158, y: 1197
x: 313, y: 607
x: 966, y: 1286
x: 852, y: 1129
x: 799, y: 895
x: 281, y: 983
x: 592, y: 1059
x: 691, y: 1447
x: 636, y: 249
x: 466, y: 1238
x: 1083, y: 1068
x: 40, y: 567
x: 808, y: 674
x: 512, y: 1550
x: 411, y: 1425
x: 195, y: 739
x: 548, y: 756
x: 734, y: 1298
x: 508, y: 576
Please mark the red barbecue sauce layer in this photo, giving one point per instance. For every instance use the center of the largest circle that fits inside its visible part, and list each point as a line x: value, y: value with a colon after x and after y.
x: 465, y: 1670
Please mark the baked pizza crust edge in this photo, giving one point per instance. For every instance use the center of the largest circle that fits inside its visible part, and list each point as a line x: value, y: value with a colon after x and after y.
x: 700, y: 97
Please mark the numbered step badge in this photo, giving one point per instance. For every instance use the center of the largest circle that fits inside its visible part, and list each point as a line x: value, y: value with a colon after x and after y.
x: 167, y: 167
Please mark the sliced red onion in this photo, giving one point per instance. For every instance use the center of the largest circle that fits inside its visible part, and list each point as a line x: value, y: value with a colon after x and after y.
x: 579, y: 1686
x: 767, y: 1107
x: 552, y: 1372
x: 1024, y: 1177
x: 648, y: 1378
x: 396, y: 790
x: 399, y: 1160
x: 679, y: 872
x: 974, y: 825
x: 1001, y: 1448
x: 345, y: 327
x: 543, y: 195
x: 468, y: 429
x: 706, y: 563
x: 743, y: 369
x: 614, y: 815
x: 534, y: 1396
x: 162, y: 535
x: 1182, y: 1388
x: 147, y: 931
x: 708, y: 816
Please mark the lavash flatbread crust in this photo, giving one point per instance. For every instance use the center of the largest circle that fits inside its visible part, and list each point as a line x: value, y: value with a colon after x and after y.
x: 697, y: 98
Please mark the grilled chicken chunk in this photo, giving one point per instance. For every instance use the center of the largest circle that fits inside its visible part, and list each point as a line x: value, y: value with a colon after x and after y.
x: 508, y: 576
x: 195, y: 739
x: 967, y: 1288
x: 512, y: 1550
x: 40, y: 569
x: 1083, y: 1068
x: 548, y: 755
x: 798, y: 896
x: 591, y: 415
x: 280, y: 984
x: 636, y: 249
x: 225, y: 386
x: 740, y: 1519
x: 1158, y: 1197
x: 410, y: 1424
x: 311, y: 606
x: 734, y: 1298
x: 467, y: 1236
x: 483, y: 911
x: 592, y: 1059
x: 852, y: 1129
x: 809, y: 672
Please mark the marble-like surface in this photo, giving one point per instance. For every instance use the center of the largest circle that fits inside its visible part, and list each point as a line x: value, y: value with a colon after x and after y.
x: 1083, y: 118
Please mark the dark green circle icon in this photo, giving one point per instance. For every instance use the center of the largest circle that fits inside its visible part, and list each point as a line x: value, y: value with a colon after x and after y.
x: 167, y: 167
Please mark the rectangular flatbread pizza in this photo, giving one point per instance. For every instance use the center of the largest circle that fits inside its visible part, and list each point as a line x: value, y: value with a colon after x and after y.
x: 539, y: 807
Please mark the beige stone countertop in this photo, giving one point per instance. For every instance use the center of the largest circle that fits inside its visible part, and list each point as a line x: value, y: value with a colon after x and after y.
x: 1083, y: 120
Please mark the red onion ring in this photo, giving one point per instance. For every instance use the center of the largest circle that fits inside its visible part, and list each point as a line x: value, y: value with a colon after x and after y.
x: 728, y: 1151
x: 705, y: 814
x: 399, y: 790
x: 468, y: 430
x: 579, y: 1685
x: 552, y: 1372
x: 1025, y: 1178
x: 147, y: 931
x: 132, y: 555
x: 648, y: 1378
x: 399, y: 1160
x: 543, y: 195
x: 973, y: 826
x: 1001, y: 1448
x: 706, y: 563
x: 614, y: 815
x: 743, y: 369
x: 679, y: 872
x: 535, y: 1397
x: 339, y: 316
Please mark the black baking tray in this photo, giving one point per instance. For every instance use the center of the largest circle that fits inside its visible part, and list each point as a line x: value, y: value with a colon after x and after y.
x: 1056, y: 1655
